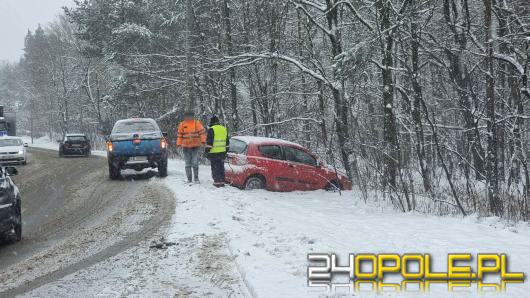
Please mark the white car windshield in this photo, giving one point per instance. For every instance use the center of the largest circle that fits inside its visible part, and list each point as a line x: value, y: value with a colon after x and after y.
x: 10, y: 142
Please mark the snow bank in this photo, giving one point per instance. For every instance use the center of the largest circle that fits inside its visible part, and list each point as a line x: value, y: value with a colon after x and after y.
x: 270, y: 234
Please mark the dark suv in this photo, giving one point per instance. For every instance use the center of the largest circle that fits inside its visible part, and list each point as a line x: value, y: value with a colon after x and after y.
x: 10, y: 206
x: 75, y: 145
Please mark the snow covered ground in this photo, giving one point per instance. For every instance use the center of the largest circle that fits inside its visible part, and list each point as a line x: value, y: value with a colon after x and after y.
x: 228, y: 242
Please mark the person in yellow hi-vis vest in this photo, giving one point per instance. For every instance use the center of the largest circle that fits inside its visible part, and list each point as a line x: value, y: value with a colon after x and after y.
x: 217, y: 143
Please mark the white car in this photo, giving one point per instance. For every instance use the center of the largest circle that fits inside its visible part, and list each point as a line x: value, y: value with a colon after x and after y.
x: 12, y: 151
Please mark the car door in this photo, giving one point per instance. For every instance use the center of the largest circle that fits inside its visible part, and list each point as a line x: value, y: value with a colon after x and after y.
x: 277, y: 170
x: 303, y: 168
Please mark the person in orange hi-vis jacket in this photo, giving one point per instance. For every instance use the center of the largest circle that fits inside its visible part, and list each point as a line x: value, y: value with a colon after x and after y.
x: 191, y: 136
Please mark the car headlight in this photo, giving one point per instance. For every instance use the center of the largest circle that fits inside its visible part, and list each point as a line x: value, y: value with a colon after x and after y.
x: 21, y: 152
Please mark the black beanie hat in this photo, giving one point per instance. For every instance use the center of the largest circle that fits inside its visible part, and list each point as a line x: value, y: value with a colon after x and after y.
x: 214, y: 120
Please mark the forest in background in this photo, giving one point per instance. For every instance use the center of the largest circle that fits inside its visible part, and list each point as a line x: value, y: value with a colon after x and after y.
x: 421, y: 102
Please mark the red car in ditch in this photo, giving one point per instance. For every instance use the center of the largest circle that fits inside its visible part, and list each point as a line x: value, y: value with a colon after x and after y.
x: 278, y: 165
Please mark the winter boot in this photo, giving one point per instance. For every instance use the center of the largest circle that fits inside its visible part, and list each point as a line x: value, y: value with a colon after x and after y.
x: 218, y: 184
x: 188, y: 174
x: 196, y: 175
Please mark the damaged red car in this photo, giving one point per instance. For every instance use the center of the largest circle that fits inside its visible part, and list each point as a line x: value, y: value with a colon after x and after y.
x: 278, y: 165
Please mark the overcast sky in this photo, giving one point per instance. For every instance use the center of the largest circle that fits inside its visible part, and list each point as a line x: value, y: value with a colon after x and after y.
x: 17, y: 16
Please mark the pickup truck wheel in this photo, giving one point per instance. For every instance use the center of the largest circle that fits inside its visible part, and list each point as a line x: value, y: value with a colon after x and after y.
x: 114, y: 172
x: 162, y: 169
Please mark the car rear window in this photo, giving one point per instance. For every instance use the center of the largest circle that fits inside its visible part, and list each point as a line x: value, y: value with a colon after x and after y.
x: 237, y: 146
x: 76, y: 138
x: 132, y: 127
x: 300, y: 156
x: 271, y: 151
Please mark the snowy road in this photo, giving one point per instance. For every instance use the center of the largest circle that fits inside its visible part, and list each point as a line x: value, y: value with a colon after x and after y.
x: 74, y: 216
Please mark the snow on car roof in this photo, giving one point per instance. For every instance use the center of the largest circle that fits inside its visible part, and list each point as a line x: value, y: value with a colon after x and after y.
x: 137, y: 120
x: 75, y: 135
x: 262, y: 140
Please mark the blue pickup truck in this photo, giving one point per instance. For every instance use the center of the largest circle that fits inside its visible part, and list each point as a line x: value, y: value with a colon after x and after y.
x: 137, y: 144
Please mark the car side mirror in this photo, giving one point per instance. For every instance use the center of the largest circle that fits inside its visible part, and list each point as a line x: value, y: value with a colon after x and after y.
x: 26, y: 145
x: 165, y: 134
x: 11, y: 171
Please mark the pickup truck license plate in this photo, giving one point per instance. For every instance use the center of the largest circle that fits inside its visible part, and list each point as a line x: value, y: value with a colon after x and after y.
x: 139, y: 158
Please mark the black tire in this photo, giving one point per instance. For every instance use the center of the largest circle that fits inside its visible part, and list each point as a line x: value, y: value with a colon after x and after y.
x: 114, y: 172
x: 162, y: 169
x: 61, y: 153
x: 18, y: 225
x: 333, y: 186
x: 255, y: 182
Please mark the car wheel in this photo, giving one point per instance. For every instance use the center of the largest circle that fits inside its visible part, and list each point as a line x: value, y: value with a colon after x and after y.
x: 18, y: 225
x: 162, y: 169
x: 61, y: 153
x: 114, y: 172
x: 333, y: 186
x: 255, y: 182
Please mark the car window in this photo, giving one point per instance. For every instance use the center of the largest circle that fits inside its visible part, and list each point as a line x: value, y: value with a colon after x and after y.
x: 297, y: 155
x: 237, y: 146
x: 132, y: 127
x: 10, y: 142
x: 271, y: 151
x: 76, y: 138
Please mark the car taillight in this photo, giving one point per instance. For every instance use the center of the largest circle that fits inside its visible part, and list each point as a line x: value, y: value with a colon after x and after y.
x: 66, y: 145
x: 237, y: 160
x: 136, y: 141
x: 110, y: 146
x: 163, y: 143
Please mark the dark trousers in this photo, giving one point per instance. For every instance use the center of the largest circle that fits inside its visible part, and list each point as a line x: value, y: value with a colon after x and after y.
x: 217, y: 161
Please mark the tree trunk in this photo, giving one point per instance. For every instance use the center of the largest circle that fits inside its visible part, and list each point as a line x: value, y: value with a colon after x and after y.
x: 492, y: 157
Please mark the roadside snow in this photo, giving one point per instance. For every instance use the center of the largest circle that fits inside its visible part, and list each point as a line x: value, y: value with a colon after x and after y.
x: 259, y: 243
x: 43, y: 143
x: 270, y: 234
